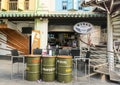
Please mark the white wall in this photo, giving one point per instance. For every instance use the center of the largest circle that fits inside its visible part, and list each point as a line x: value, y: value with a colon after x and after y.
x: 3, y: 45
x: 24, y: 24
x: 42, y: 26
x: 94, y: 37
x: 48, y: 5
x: 11, y: 25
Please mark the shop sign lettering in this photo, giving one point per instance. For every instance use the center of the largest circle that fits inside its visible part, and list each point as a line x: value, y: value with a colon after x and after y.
x: 49, y: 69
x: 83, y: 27
x: 62, y: 62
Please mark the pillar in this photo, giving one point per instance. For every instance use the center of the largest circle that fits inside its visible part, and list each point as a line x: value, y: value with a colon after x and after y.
x: 32, y: 5
x: 110, y: 43
x: 42, y: 26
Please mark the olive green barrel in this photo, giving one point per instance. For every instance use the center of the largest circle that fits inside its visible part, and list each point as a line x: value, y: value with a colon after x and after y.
x: 48, y: 68
x: 64, y: 69
x: 33, y: 67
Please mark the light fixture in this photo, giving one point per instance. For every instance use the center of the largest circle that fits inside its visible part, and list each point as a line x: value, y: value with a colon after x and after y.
x: 41, y: 19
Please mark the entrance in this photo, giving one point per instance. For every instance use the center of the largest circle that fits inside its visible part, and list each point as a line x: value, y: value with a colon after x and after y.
x: 63, y: 39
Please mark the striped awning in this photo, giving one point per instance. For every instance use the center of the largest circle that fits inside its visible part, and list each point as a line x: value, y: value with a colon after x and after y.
x: 50, y: 15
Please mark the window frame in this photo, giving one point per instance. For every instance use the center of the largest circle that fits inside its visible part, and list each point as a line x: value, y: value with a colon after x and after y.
x: 79, y: 6
x: 63, y: 6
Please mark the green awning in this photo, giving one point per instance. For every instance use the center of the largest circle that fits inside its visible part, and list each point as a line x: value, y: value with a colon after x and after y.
x: 50, y: 15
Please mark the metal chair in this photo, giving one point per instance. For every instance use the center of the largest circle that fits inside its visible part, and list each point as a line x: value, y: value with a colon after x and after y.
x: 75, y: 52
x: 16, y: 58
x: 87, y: 56
x: 37, y: 51
x: 64, y: 52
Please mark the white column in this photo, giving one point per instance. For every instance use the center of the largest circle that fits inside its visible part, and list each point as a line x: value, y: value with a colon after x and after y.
x: 75, y: 4
x: 110, y: 43
x: 42, y: 26
x: 32, y: 4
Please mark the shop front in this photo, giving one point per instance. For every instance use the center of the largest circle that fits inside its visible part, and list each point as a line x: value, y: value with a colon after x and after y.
x: 61, y: 33
x: 62, y: 36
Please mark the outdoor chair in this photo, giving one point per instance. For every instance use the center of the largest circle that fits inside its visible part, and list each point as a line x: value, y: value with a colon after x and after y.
x: 37, y: 51
x: 16, y: 58
x: 75, y: 52
x: 64, y: 52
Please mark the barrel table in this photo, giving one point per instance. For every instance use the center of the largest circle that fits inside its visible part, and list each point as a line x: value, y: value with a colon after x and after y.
x: 48, y: 68
x: 64, y: 69
x: 33, y: 67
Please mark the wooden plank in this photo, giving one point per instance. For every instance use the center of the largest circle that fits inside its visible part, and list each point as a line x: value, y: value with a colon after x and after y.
x: 16, y: 40
x: 102, y: 68
x: 116, y: 26
x: 3, y: 26
x: 116, y: 30
x: 116, y: 23
x: 116, y: 34
x: 116, y: 18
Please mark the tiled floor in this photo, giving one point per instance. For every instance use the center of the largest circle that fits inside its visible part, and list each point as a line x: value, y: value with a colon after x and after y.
x: 5, y: 71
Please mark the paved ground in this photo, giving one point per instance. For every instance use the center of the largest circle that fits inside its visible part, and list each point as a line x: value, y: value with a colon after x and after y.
x: 5, y: 71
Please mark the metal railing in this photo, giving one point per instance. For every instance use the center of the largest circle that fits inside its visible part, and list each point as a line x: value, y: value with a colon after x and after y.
x: 13, y: 5
x: 81, y: 70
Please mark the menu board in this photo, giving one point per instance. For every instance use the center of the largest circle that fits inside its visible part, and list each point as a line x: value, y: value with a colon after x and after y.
x: 35, y: 39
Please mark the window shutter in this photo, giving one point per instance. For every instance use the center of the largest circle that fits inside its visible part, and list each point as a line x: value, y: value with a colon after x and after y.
x: 21, y: 4
x: 4, y: 5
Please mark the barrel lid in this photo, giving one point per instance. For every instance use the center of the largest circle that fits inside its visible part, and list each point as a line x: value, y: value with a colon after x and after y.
x: 31, y: 55
x: 48, y: 56
x: 64, y: 56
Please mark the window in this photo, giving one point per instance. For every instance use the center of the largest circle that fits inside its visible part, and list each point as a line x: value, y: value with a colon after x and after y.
x: 64, y: 5
x: 79, y: 5
x: 13, y: 5
x: 26, y: 4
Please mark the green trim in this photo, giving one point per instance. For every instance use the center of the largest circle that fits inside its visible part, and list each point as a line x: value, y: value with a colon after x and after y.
x: 33, y: 14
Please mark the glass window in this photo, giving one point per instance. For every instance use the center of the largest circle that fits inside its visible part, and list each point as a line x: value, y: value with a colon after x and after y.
x: 26, y: 4
x: 64, y: 5
x: 13, y: 5
x: 79, y: 5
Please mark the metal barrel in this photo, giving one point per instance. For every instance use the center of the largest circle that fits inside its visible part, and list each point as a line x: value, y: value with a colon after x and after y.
x: 33, y: 67
x: 64, y: 69
x: 48, y: 68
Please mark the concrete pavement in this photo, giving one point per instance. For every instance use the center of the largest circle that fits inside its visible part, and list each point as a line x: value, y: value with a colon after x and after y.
x: 5, y: 79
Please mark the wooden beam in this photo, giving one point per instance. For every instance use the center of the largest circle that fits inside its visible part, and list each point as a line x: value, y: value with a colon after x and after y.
x: 116, y: 3
x: 106, y: 7
x: 5, y: 49
x: 111, y: 5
